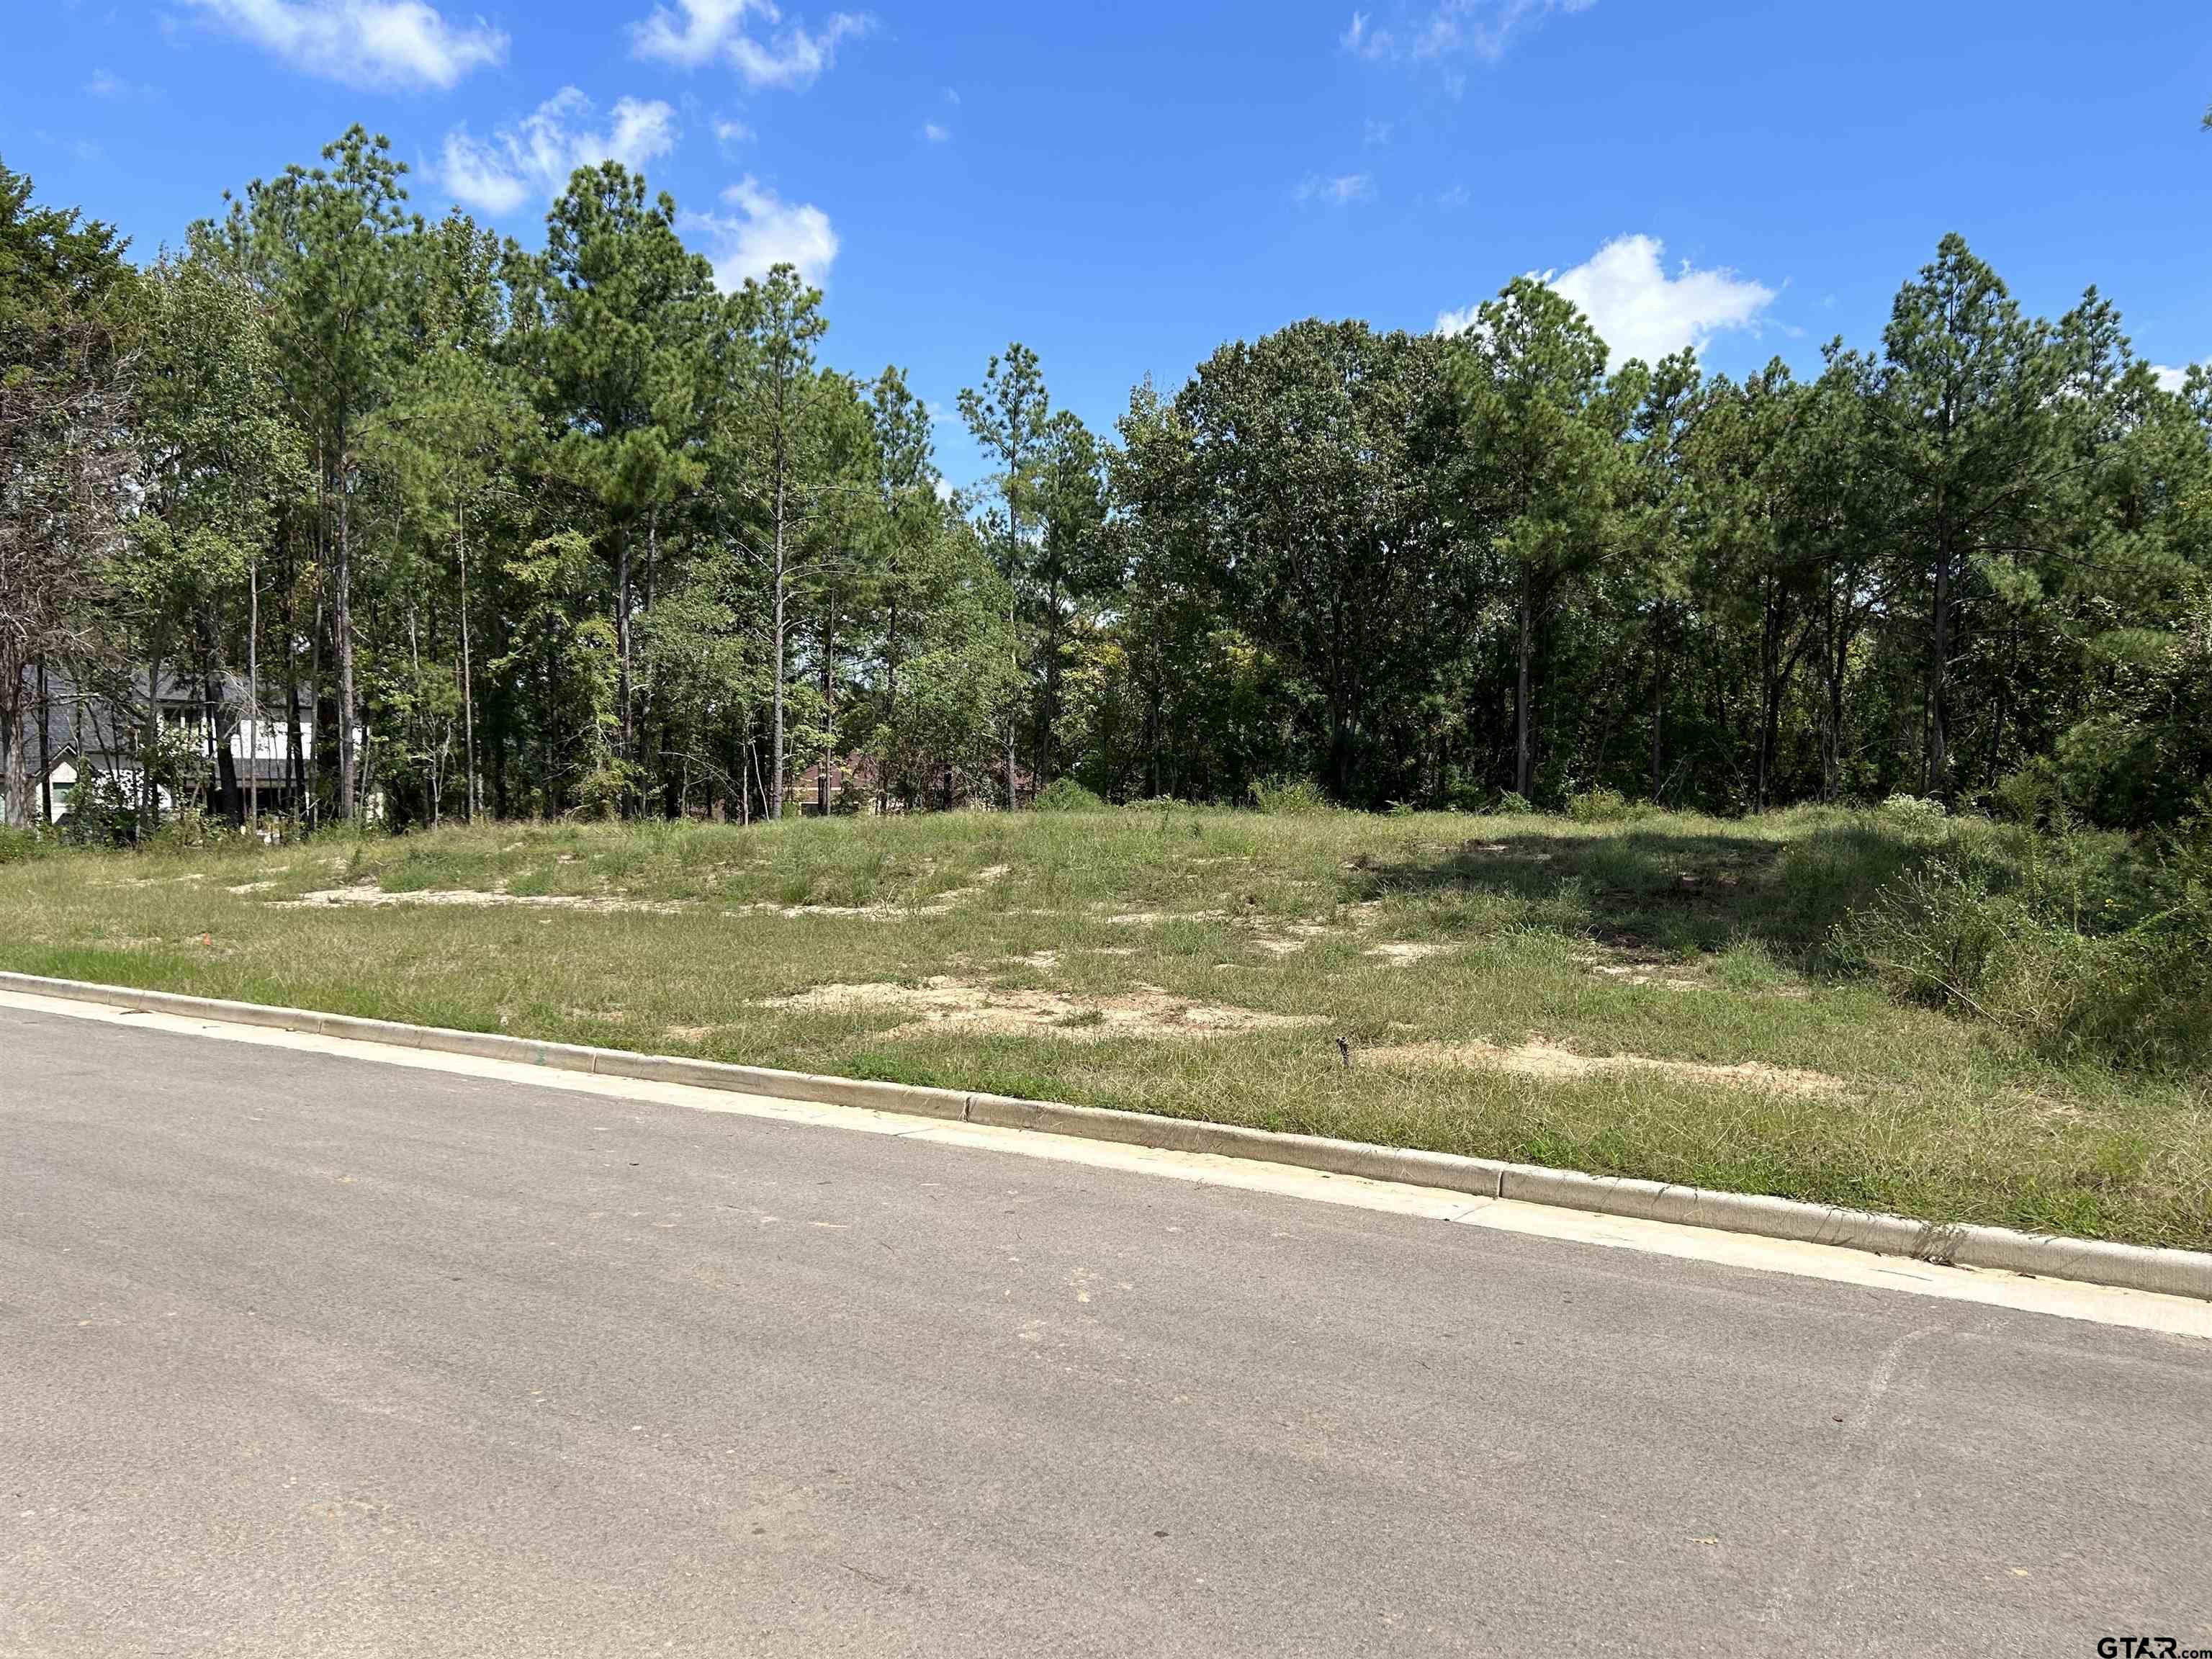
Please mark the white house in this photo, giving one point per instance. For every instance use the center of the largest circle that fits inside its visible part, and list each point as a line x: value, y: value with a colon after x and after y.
x: 87, y: 733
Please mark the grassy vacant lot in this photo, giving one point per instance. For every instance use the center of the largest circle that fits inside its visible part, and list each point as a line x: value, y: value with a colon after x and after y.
x: 1648, y: 998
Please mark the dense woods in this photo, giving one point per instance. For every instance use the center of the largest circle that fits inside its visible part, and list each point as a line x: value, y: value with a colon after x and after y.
x: 489, y: 530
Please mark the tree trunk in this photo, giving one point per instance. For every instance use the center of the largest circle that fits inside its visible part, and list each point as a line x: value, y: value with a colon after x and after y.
x: 253, y: 693
x: 1658, y: 706
x: 1524, y: 763
x: 1013, y: 630
x: 46, y: 752
x: 468, y: 678
x: 891, y: 693
x: 775, y: 781
x: 295, y: 751
x: 14, y: 788
x: 226, y: 762
x: 622, y: 646
x: 342, y: 631
x: 1937, y: 781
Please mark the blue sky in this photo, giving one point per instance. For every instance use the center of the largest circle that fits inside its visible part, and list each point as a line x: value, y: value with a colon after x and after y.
x: 1123, y: 186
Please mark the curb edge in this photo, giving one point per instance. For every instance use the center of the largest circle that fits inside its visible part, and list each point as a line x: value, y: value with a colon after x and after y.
x: 2087, y: 1260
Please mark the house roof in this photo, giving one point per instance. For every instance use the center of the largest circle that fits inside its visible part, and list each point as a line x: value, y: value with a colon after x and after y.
x: 72, y: 711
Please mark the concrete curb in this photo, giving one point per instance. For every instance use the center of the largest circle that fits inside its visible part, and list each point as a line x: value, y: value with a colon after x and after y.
x: 2094, y: 1262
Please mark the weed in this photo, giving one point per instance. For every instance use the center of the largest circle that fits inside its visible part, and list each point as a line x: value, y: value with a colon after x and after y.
x: 1706, y: 948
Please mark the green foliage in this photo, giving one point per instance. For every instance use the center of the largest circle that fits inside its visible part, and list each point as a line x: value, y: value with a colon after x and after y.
x: 1914, y: 811
x: 102, y: 812
x: 2068, y: 938
x: 331, y: 443
x: 1067, y: 795
x: 1287, y: 796
x: 20, y: 843
x: 1605, y: 807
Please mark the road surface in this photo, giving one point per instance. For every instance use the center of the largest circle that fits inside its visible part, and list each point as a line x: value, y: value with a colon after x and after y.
x: 304, y: 1355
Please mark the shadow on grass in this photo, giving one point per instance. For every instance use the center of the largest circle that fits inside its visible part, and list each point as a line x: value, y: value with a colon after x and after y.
x: 1661, y: 890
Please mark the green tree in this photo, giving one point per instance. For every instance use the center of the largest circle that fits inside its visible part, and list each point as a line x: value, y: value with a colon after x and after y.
x: 1009, y: 417
x: 626, y: 326
x: 774, y: 434
x: 1543, y: 478
x: 1970, y: 394
x: 65, y: 381
x: 322, y: 241
x: 218, y: 458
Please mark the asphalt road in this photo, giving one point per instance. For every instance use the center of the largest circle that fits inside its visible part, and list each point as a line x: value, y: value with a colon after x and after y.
x: 302, y: 1355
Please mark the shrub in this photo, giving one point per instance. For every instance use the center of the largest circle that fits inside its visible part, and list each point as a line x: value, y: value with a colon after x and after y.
x: 18, y: 844
x: 102, y: 812
x: 1512, y: 805
x: 2080, y: 945
x: 1067, y: 795
x: 1603, y: 806
x: 1917, y: 810
x: 1282, y: 796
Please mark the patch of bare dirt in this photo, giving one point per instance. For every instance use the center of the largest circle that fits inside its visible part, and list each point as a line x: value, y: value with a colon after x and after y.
x: 1289, y: 938
x: 945, y: 1003
x: 1154, y: 918
x: 1400, y: 952
x: 877, y: 912
x: 1553, y: 1063
x: 1643, y: 971
x: 369, y: 895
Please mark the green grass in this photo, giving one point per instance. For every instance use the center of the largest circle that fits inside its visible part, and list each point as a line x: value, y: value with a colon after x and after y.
x: 1670, y: 936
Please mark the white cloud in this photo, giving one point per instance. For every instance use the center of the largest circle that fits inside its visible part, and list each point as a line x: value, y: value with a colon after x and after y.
x: 730, y: 134
x: 1337, y: 190
x: 767, y: 231
x: 105, y: 84
x: 935, y: 133
x: 81, y: 149
x: 534, y: 157
x: 1639, y: 310
x: 698, y: 31
x: 371, y: 43
x: 1451, y: 28
x: 2172, y: 380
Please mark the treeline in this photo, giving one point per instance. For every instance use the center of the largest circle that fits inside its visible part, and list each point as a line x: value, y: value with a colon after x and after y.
x: 495, y: 531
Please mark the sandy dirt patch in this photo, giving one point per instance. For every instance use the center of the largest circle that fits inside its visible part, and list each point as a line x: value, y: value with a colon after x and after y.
x: 936, y: 907
x: 1553, y: 1063
x: 1290, y: 938
x: 945, y: 1003
x: 368, y: 895
x: 1402, y: 952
